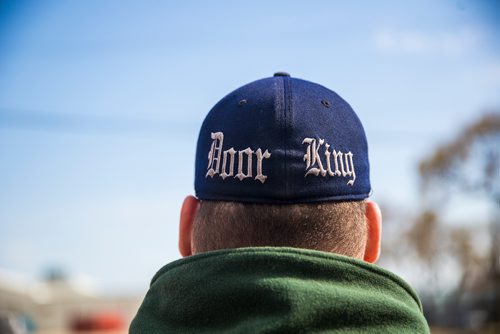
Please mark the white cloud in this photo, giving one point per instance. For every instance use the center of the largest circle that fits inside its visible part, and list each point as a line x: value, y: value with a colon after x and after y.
x: 420, y: 43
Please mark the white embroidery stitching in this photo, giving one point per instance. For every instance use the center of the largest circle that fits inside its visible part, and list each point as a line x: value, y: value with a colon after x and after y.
x: 262, y: 178
x: 214, y: 156
x: 314, y: 164
x: 240, y: 174
x: 217, y: 136
x: 231, y: 151
x: 342, y: 162
x: 311, y: 157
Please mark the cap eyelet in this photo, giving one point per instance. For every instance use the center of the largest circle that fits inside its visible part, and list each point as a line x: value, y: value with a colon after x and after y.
x: 242, y: 102
x: 326, y: 103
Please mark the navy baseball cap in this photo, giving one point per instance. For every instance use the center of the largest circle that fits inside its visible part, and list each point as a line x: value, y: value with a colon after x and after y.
x: 282, y: 140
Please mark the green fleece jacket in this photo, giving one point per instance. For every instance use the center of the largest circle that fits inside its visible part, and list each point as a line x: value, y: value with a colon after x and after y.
x: 277, y: 290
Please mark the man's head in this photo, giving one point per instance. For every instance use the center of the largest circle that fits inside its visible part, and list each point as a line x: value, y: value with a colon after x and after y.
x: 349, y: 228
x: 282, y: 162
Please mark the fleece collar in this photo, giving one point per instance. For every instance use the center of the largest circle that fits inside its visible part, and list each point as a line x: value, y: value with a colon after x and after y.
x: 277, y: 290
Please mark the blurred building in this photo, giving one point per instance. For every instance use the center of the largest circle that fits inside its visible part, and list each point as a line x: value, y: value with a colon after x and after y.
x: 59, y: 305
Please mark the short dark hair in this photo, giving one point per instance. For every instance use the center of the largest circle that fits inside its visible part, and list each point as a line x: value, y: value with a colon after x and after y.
x: 337, y: 227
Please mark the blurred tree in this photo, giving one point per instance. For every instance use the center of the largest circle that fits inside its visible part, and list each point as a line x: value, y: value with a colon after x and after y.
x: 471, y: 165
x: 467, y: 166
x: 425, y: 231
x: 470, y: 162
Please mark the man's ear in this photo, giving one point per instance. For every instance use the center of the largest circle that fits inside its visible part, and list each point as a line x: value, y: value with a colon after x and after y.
x: 374, y: 224
x: 188, y: 212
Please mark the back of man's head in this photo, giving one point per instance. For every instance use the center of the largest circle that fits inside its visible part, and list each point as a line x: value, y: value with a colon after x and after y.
x: 282, y: 162
x: 337, y: 227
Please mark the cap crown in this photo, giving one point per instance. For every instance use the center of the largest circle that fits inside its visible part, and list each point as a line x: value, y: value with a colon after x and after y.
x: 282, y: 140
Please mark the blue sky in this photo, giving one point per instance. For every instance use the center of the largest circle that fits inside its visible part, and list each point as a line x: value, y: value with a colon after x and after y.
x: 101, y: 102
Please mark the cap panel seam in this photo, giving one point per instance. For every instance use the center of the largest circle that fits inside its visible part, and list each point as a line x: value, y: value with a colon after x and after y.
x: 286, y: 109
x: 288, y: 129
x: 281, y: 87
